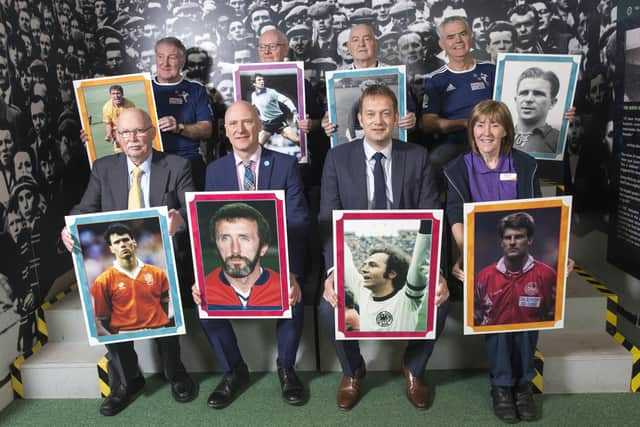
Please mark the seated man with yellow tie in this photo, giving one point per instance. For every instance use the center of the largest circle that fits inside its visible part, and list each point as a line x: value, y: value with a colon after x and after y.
x: 139, y: 177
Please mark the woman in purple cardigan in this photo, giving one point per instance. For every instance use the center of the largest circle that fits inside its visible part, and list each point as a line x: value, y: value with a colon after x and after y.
x: 493, y: 170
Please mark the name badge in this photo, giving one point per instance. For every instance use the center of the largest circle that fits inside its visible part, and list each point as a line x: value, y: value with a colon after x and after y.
x: 477, y: 86
x: 530, y: 302
x: 508, y: 177
x: 176, y: 101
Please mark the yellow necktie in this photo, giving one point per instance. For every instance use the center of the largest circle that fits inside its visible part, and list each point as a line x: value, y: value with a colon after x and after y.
x: 135, y: 192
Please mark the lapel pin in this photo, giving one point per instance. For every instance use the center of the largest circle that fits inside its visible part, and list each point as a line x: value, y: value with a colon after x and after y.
x: 266, y: 163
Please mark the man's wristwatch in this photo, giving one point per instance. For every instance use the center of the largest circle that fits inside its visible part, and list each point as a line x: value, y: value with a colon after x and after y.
x: 179, y: 128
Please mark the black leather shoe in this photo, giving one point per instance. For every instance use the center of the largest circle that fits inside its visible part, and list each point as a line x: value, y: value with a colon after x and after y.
x: 503, y: 405
x: 231, y: 385
x: 292, y: 389
x: 182, y: 387
x: 525, y: 405
x: 120, y: 397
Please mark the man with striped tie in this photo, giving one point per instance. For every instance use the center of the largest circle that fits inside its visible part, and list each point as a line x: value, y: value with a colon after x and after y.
x: 248, y: 167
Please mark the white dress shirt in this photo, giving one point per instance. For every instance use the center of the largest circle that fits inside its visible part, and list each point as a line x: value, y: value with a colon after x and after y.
x: 255, y: 158
x: 386, y: 167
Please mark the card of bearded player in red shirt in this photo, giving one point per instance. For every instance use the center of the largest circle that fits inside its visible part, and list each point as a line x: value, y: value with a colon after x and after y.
x: 241, y: 234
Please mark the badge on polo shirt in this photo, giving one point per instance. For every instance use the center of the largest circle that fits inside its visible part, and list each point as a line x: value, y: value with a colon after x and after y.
x: 148, y: 279
x: 530, y: 302
x: 508, y: 176
x: 179, y: 97
x: 477, y: 86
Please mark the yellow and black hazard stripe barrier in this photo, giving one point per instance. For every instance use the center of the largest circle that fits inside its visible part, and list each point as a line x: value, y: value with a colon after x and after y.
x: 538, y: 364
x: 635, y: 370
x: 59, y: 296
x: 41, y: 338
x: 613, y: 310
x: 103, y: 376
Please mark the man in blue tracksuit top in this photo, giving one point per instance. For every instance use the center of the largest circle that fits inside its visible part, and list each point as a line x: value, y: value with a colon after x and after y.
x: 451, y: 92
x: 185, y: 117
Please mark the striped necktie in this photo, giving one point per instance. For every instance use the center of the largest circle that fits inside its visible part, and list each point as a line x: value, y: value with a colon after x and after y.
x: 249, y: 177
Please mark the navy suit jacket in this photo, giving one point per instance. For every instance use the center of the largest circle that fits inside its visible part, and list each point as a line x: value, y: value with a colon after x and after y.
x: 276, y: 171
x: 108, y: 188
x: 344, y: 184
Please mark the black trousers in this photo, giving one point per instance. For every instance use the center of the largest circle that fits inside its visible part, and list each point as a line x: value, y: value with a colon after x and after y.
x: 123, y: 360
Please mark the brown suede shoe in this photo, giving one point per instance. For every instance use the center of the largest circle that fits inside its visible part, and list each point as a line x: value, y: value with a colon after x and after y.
x: 417, y: 390
x: 349, y: 390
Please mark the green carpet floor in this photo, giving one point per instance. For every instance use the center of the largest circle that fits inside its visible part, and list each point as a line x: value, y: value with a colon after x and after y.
x: 460, y: 398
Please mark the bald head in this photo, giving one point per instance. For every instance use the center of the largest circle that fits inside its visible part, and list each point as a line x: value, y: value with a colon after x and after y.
x: 272, y: 46
x: 242, y: 126
x: 239, y: 106
x: 138, y: 114
x: 274, y: 33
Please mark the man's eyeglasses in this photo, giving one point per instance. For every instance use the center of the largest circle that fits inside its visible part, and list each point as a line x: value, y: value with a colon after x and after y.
x: 133, y: 132
x: 270, y: 46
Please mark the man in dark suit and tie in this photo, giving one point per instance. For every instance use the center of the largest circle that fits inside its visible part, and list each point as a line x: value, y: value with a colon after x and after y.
x: 152, y: 178
x: 252, y: 167
x: 376, y: 172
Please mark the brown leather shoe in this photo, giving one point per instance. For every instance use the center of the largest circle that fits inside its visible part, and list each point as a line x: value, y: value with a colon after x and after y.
x: 417, y: 390
x: 349, y: 390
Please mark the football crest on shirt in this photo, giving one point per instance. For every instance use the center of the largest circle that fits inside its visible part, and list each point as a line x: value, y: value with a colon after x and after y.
x: 531, y: 288
x: 148, y: 279
x: 121, y: 285
x: 384, y: 319
x: 179, y: 97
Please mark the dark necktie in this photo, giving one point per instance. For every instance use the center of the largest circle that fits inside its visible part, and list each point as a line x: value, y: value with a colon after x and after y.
x: 379, y: 184
x: 249, y: 178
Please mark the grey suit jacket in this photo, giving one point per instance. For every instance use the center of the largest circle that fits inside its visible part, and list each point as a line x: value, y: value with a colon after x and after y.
x: 344, y: 184
x: 108, y: 188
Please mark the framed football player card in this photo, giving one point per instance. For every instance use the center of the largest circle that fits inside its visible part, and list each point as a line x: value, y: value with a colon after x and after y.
x: 239, y: 246
x: 538, y: 89
x: 277, y: 91
x: 126, y: 275
x: 343, y: 99
x: 100, y: 102
x: 387, y: 266
x: 515, y: 264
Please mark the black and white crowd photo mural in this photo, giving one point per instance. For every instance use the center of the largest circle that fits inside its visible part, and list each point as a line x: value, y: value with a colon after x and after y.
x: 47, y: 44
